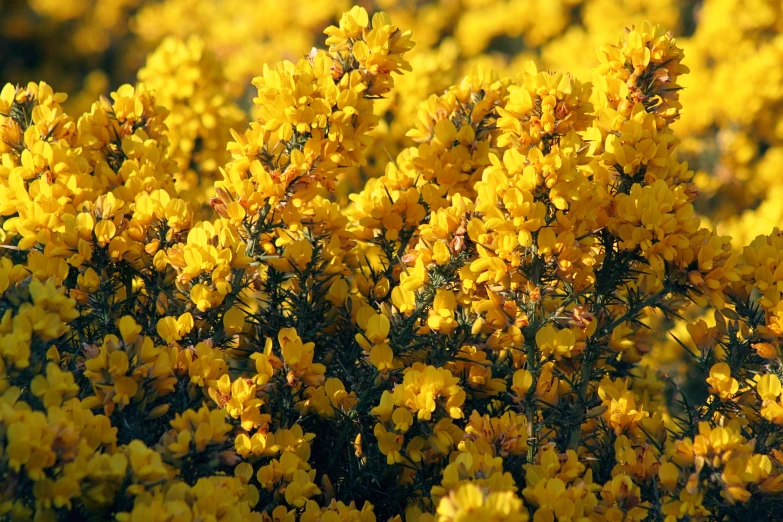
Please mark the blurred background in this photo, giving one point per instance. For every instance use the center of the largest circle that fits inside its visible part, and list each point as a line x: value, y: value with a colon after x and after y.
x: 200, y: 56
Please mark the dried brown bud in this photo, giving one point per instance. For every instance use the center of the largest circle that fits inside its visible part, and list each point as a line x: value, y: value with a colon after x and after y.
x: 337, y: 70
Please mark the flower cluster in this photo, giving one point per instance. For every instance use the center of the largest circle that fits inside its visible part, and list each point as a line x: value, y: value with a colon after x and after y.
x: 188, y: 80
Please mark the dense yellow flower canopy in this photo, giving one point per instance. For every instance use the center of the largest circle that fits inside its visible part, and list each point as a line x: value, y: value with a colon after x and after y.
x: 374, y: 279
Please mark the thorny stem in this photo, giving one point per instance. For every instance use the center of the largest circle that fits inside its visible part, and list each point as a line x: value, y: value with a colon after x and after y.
x: 590, y: 357
x: 252, y: 243
x: 530, y: 342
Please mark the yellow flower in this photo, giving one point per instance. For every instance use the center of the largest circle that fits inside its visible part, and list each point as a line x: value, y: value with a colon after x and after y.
x: 622, y: 412
x: 377, y: 328
x: 669, y: 475
x: 522, y: 381
x: 560, y: 343
x: 382, y: 357
x: 234, y: 320
x: 54, y: 388
x: 299, y: 253
x: 125, y: 389
x: 441, y: 318
x: 404, y: 300
x: 469, y: 502
x: 299, y: 357
x: 389, y: 444
x: 769, y: 389
x: 721, y: 382
x: 129, y: 330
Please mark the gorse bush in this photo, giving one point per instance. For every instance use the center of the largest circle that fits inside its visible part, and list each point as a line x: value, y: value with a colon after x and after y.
x: 193, y: 328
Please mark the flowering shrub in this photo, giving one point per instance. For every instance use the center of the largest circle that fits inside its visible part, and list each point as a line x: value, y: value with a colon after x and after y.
x: 522, y: 317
